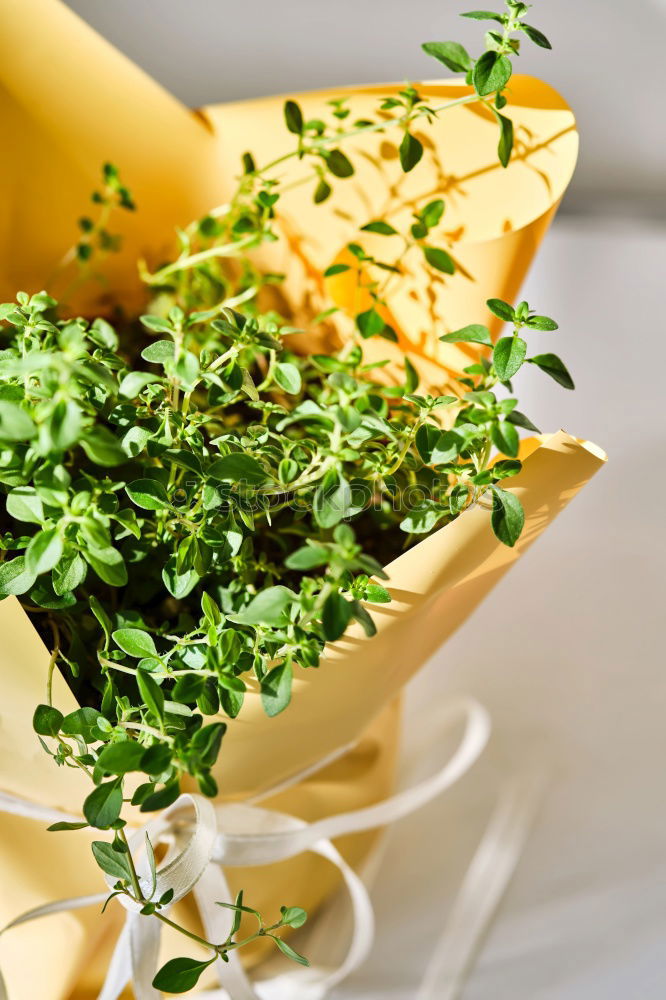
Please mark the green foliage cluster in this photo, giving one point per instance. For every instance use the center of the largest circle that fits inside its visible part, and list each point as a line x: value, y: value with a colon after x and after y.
x: 216, y: 513
x: 192, y: 509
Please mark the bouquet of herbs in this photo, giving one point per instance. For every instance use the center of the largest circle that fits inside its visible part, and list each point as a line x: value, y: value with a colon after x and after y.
x: 193, y: 503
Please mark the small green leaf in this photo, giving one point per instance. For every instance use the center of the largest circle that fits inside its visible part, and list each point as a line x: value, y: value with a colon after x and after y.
x: 208, y: 701
x: 24, y: 504
x: 411, y: 377
x: 491, y: 73
x: 332, y: 502
x: 135, y: 642
x: 447, y: 448
x: 508, y: 516
x: 541, y: 323
x: 370, y: 323
x: 380, y: 227
x: 102, y: 807
x: 210, y: 609
x: 505, y: 145
x: 553, y: 366
x: 437, y: 447
x: 535, y: 36
x: 439, y: 259
x: 520, y: 420
x: 149, y: 494
x: 501, y: 309
x: 161, y: 799
x: 323, y: 191
x: 506, y: 468
x: 206, y: 742
x: 432, y: 214
x: 151, y: 693
x: 508, y: 356
x: 15, y: 423
x: 102, y: 447
x: 109, y: 566
x: 156, y: 324
x: 135, y: 440
x: 427, y: 437
x: 287, y: 950
x: 422, y: 518
x: 15, y: 577
x: 82, y: 722
x: 454, y: 55
x: 237, y: 468
x: 293, y: 117
x: 135, y: 382
x: 458, y: 499
x: 120, y: 758
x: 411, y: 151
x: 475, y: 333
x: 505, y: 438
x: 101, y: 616
x: 150, y: 854
x: 334, y: 269
x: 156, y: 759
x: 276, y: 689
x: 57, y: 827
x: 338, y: 163
x: 47, y: 720
x: 288, y: 377
x: 377, y: 595
x: 483, y: 15
x: 238, y: 915
x: 44, y: 551
x: 113, y: 862
x: 269, y: 607
x: 308, y: 557
x: 336, y: 615
x: 180, y: 975
x: 293, y: 916
x: 159, y: 352
x: 69, y: 573
x: 231, y: 691
x: 178, y: 583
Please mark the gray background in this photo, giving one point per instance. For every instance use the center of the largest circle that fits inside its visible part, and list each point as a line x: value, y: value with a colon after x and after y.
x: 581, y: 675
x: 608, y: 61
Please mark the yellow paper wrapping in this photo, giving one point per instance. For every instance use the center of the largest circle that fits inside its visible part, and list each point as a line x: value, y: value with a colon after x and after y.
x: 70, y: 102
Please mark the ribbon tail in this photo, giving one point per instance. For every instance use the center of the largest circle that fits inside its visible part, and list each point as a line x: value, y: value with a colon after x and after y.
x: 144, y: 945
x: 211, y: 888
x: 484, y: 885
x: 120, y: 967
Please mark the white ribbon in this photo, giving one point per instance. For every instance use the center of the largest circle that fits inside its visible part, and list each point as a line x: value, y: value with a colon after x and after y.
x: 203, y: 839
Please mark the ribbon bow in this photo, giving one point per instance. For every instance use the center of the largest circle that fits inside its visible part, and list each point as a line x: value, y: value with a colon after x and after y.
x: 205, y: 838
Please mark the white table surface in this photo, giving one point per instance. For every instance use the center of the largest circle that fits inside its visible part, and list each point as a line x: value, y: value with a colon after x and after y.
x: 567, y: 655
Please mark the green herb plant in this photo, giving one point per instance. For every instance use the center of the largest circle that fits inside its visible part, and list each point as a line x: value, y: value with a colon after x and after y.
x: 191, y: 507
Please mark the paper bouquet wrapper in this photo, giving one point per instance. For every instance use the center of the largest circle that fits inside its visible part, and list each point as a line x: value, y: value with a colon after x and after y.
x: 70, y: 102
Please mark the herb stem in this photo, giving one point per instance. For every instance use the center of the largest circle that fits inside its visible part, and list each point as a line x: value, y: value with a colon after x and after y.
x: 139, y: 897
